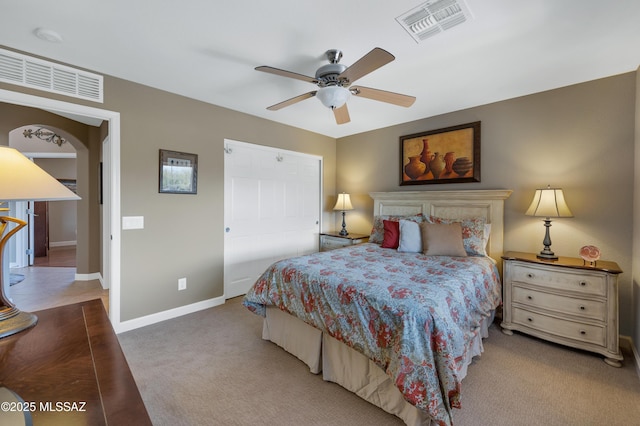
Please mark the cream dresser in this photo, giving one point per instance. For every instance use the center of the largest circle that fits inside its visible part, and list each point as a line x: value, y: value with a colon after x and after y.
x: 564, y: 301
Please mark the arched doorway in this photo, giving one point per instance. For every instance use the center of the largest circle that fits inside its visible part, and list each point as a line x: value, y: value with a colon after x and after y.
x: 51, y: 236
x: 111, y: 183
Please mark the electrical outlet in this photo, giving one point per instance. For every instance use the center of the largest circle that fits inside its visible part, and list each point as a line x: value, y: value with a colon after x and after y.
x: 182, y: 284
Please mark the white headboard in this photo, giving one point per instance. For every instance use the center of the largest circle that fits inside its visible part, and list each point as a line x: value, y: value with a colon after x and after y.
x: 450, y: 204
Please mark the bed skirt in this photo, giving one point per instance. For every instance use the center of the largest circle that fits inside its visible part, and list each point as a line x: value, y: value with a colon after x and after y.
x: 294, y: 336
x: 348, y: 368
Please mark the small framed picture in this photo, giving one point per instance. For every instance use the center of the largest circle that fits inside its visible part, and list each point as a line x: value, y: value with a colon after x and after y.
x: 178, y: 172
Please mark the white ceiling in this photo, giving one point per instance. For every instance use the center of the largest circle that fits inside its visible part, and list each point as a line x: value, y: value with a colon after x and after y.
x: 208, y: 50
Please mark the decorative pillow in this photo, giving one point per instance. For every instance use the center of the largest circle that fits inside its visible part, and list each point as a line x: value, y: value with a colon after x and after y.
x: 442, y: 239
x: 472, y: 233
x: 377, y: 232
x: 410, y: 237
x: 391, y: 234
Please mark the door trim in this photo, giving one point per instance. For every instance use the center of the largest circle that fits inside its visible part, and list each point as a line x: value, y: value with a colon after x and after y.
x: 111, y: 204
x: 228, y: 148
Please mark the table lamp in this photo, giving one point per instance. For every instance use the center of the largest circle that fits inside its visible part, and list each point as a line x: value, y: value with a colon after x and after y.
x: 21, y: 180
x: 343, y: 204
x: 548, y: 202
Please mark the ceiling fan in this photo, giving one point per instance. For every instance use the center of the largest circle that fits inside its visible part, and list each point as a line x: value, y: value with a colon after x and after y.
x: 334, y: 83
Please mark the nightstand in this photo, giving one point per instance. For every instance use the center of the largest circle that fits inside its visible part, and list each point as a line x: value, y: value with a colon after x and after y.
x: 333, y: 240
x: 564, y: 301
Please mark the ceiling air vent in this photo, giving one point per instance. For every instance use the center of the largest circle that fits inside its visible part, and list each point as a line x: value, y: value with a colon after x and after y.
x: 48, y: 76
x: 433, y: 17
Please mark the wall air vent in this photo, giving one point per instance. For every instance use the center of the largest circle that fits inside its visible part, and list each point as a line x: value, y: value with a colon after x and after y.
x: 433, y: 17
x: 49, y: 76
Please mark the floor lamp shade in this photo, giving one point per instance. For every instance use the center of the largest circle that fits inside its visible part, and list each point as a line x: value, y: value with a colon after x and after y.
x: 548, y: 202
x: 343, y: 203
x: 21, y: 180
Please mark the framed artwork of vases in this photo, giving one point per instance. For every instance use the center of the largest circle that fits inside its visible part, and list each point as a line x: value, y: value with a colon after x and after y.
x: 448, y: 155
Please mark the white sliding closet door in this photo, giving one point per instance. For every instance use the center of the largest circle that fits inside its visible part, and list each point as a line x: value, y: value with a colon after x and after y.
x: 271, y: 210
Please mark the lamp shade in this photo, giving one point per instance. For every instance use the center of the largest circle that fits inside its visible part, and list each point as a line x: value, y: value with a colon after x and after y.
x: 343, y: 203
x: 22, y: 180
x: 333, y: 96
x: 549, y: 202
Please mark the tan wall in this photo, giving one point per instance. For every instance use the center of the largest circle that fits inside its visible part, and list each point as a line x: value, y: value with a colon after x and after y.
x: 183, y: 234
x: 63, y: 215
x: 636, y: 225
x: 580, y: 138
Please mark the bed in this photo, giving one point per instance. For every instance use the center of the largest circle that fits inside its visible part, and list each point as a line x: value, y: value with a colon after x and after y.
x: 371, y: 320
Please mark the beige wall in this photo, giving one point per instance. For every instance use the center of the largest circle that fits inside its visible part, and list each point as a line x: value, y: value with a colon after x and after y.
x: 63, y: 215
x: 636, y: 225
x: 580, y: 138
x: 183, y: 235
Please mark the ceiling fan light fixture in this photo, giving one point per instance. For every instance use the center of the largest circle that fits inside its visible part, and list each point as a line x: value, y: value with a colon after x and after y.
x: 333, y: 96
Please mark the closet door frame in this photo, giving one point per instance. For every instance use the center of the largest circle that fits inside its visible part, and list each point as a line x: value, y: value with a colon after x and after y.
x: 263, y: 248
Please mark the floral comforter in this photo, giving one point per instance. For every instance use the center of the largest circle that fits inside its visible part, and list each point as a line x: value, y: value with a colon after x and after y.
x: 412, y: 314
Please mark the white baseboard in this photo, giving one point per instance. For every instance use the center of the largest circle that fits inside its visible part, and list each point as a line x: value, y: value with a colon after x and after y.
x: 62, y: 243
x: 166, y: 315
x: 89, y: 277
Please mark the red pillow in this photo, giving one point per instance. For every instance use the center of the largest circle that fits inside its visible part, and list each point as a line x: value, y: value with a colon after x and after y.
x: 391, y: 234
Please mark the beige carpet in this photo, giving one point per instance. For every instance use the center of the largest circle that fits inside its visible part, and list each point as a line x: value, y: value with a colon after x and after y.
x: 212, y: 368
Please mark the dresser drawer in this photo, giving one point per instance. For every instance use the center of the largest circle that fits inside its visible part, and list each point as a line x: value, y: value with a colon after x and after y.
x: 560, y: 279
x: 329, y: 243
x: 564, y: 301
x: 594, y: 309
x: 559, y: 327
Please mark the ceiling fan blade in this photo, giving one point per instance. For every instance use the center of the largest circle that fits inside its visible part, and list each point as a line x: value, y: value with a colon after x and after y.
x: 383, y: 96
x: 284, y: 73
x: 342, y: 114
x: 368, y: 63
x: 292, y: 101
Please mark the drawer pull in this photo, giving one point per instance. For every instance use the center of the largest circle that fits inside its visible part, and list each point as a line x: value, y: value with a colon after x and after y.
x: 530, y: 319
x: 529, y: 275
x: 583, y: 283
x: 583, y: 308
x: 583, y: 332
x: 529, y: 297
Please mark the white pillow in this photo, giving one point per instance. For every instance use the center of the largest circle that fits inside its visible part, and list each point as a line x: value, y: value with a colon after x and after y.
x: 410, y: 237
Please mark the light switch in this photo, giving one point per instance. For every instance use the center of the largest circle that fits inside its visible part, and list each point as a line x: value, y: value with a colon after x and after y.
x: 133, y: 222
